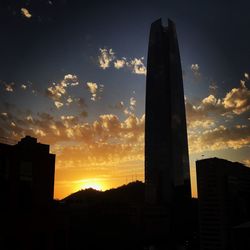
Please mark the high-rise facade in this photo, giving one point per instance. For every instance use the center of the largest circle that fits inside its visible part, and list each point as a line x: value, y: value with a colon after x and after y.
x: 224, y: 203
x: 166, y: 149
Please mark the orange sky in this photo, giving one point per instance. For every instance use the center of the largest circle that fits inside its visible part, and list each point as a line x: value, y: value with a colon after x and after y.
x: 101, y: 145
x: 107, y: 150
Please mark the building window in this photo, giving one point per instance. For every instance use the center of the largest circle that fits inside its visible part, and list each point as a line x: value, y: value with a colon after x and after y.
x: 25, y: 173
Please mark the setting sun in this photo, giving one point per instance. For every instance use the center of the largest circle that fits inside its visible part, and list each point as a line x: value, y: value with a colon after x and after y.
x: 92, y: 183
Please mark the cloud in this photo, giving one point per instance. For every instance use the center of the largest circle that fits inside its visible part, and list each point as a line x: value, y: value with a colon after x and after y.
x: 106, y: 57
x: 95, y: 90
x: 108, y: 125
x: 69, y: 121
x: 120, y: 63
x: 127, y: 110
x: 92, y: 86
x: 206, y: 123
x: 71, y: 79
x: 57, y: 90
x: 204, y: 113
x: 137, y: 66
x: 69, y: 100
x: 241, y: 126
x: 195, y: 68
x: 210, y: 100
x: 61, y: 95
x: 9, y: 87
x: 238, y: 99
x: 105, y: 142
x: 211, y: 109
x: 106, y: 128
x: 39, y: 132
x: 210, y: 121
x: 15, y: 86
x: 219, y: 138
x: 29, y: 118
x: 132, y: 102
x: 25, y: 12
x: 23, y: 86
x: 58, y: 104
x: 100, y: 157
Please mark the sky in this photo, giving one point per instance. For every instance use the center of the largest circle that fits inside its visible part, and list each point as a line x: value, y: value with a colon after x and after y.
x: 73, y: 74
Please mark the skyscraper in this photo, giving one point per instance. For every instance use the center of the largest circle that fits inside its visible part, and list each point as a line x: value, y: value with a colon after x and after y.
x: 166, y: 151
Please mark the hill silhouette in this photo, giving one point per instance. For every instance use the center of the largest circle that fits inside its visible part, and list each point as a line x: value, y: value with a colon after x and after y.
x: 103, y: 218
x: 132, y: 193
x: 117, y: 218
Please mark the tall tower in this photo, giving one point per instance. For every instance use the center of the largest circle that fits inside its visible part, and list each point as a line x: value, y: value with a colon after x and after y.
x: 166, y: 150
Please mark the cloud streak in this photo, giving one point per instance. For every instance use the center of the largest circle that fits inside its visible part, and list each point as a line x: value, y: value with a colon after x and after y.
x: 107, y: 139
x: 220, y: 138
x: 235, y: 103
x: 107, y: 58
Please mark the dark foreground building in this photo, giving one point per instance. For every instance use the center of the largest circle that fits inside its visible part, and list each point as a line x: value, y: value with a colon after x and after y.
x: 27, y: 174
x: 167, y: 175
x: 27, y: 186
x: 224, y: 204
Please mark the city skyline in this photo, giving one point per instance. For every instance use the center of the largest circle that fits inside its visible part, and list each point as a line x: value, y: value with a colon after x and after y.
x: 75, y: 79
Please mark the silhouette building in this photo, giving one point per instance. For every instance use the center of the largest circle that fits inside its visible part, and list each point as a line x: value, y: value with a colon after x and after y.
x: 166, y: 150
x: 167, y: 177
x: 223, y: 203
x: 27, y: 174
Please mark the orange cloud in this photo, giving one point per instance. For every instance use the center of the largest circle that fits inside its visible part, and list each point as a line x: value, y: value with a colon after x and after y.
x: 135, y: 65
x: 219, y: 138
x: 25, y: 12
x: 238, y: 99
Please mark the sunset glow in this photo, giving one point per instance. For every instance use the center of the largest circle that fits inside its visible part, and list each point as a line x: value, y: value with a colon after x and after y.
x: 92, y: 184
x: 76, y: 81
